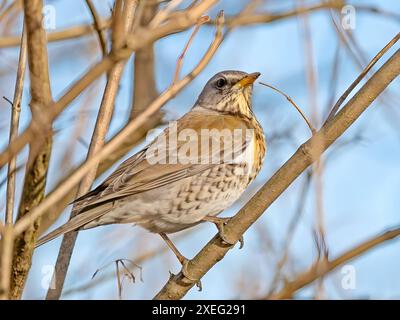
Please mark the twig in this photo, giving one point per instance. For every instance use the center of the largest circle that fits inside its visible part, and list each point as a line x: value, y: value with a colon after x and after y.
x: 344, y: 96
x: 16, y: 109
x: 179, y: 63
x: 334, y: 79
x: 7, y: 10
x: 108, y: 276
x: 257, y: 18
x: 313, y: 130
x: 215, y: 250
x: 163, y: 14
x: 324, y: 266
x: 60, y: 35
x: 98, y: 27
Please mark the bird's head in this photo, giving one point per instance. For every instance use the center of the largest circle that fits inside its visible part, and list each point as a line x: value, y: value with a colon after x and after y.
x: 228, y: 92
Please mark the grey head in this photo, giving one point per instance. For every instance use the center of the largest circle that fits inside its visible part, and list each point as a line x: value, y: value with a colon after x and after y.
x: 228, y: 92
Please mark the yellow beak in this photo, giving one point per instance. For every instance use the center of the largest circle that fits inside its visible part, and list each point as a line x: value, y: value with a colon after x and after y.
x: 248, y: 79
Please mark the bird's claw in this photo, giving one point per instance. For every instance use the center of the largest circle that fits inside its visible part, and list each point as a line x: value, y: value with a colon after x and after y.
x: 185, y: 273
x: 220, y: 223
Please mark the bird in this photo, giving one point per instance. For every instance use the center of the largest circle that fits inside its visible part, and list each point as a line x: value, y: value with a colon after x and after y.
x: 189, y: 174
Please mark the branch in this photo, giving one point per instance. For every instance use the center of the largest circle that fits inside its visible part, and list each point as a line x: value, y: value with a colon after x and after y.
x: 16, y: 109
x: 36, y: 172
x: 61, y: 35
x: 260, y: 18
x: 178, y: 285
x: 365, y: 71
x: 98, y: 27
x: 97, y: 142
x: 38, y: 128
x: 7, y: 240
x: 233, y: 21
x: 324, y: 266
x: 144, y: 83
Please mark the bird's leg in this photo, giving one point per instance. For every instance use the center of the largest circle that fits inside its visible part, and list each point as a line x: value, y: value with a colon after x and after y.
x: 182, y: 259
x: 174, y: 249
x: 220, y: 224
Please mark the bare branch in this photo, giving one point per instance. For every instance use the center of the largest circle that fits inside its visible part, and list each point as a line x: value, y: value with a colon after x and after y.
x: 312, y: 129
x: 365, y: 71
x: 16, y: 109
x: 98, y: 27
x: 322, y: 267
x: 179, y: 64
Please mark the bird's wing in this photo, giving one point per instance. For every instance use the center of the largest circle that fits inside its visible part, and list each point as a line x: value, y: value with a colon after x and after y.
x: 139, y: 173
x: 145, y: 170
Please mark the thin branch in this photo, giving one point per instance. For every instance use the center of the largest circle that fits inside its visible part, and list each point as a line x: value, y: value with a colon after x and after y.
x: 215, y: 250
x: 312, y: 129
x: 179, y: 64
x: 108, y: 276
x: 98, y: 27
x: 334, y: 79
x: 257, y: 18
x: 365, y: 71
x: 163, y: 14
x: 324, y: 266
x: 61, y: 35
x: 262, y: 18
x: 16, y: 109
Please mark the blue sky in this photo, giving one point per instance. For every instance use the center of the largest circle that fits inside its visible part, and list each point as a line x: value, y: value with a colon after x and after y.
x: 360, y: 185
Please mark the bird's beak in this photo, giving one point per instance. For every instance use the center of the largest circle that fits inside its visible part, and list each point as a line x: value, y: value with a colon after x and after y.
x: 248, y: 79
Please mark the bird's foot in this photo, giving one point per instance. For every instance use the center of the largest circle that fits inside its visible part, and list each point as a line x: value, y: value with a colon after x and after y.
x: 220, y: 224
x: 185, y: 273
x: 182, y: 260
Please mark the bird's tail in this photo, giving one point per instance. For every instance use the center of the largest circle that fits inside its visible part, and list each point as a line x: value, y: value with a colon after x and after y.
x: 75, y: 223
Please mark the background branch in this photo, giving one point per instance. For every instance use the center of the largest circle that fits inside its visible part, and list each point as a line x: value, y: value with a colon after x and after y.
x: 324, y: 266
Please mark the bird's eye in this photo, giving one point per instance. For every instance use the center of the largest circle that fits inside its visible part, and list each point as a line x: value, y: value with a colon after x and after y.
x: 220, y: 83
